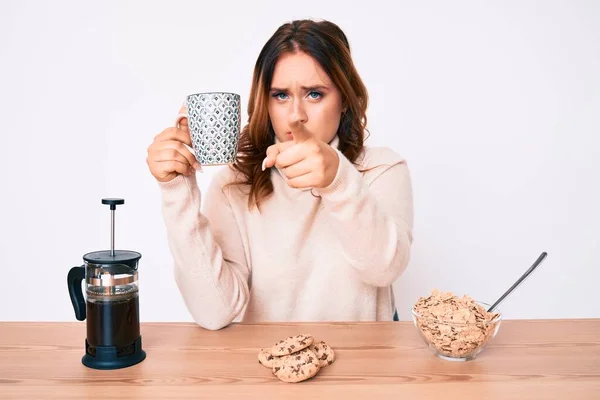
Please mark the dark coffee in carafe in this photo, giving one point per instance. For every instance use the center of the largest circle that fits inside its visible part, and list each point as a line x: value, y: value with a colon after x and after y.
x: 113, y: 323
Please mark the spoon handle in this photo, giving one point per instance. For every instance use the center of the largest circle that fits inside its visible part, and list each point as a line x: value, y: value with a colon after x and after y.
x: 518, y: 282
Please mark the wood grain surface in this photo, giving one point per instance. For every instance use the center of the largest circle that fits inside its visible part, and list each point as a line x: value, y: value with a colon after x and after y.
x: 529, y: 359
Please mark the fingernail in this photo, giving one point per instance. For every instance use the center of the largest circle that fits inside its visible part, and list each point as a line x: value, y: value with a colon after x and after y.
x: 197, y: 166
x: 263, y: 164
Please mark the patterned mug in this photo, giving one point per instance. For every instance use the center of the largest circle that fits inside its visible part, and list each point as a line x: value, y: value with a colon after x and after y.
x: 214, y: 121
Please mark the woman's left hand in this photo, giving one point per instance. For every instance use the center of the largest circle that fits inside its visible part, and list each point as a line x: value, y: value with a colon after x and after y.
x: 306, y: 161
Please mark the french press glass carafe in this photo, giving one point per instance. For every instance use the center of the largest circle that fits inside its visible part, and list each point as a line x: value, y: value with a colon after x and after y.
x: 111, y: 304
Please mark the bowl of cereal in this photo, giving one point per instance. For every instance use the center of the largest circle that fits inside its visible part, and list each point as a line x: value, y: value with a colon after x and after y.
x: 455, y: 328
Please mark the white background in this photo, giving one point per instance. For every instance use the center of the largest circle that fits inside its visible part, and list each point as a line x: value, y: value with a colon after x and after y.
x: 495, y: 106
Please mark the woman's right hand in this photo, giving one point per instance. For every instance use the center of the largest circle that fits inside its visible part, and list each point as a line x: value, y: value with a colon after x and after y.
x: 168, y: 157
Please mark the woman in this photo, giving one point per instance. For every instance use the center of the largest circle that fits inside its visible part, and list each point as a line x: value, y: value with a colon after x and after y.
x: 308, y: 224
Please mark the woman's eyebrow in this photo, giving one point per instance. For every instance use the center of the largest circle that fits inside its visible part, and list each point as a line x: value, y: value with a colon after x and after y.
x: 305, y: 88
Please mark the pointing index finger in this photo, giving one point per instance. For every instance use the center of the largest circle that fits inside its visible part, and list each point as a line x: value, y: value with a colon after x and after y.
x: 301, y: 134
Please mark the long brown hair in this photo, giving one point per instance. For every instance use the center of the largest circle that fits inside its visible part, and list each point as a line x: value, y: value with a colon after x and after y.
x: 328, y: 45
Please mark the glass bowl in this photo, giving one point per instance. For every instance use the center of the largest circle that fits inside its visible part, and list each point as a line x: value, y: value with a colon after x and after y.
x: 457, y: 341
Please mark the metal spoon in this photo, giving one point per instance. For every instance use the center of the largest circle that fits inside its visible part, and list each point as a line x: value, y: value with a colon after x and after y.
x: 518, y: 282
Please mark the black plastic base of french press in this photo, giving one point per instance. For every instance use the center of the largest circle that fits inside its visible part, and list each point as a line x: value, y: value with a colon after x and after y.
x: 111, y: 357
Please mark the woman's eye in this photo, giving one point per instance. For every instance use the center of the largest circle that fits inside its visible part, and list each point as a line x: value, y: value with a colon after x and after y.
x: 283, y: 96
x: 280, y: 96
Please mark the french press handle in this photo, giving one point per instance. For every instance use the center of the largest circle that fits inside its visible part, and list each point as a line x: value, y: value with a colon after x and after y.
x: 74, y: 278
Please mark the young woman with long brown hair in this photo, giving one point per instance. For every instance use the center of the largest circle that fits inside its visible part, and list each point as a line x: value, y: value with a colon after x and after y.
x: 308, y: 224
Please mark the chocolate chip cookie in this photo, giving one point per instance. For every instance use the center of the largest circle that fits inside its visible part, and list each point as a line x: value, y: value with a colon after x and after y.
x: 291, y: 345
x: 297, y: 367
x: 267, y: 359
x: 324, y: 353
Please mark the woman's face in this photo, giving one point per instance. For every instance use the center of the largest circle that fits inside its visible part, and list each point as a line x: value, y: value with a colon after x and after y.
x: 302, y: 96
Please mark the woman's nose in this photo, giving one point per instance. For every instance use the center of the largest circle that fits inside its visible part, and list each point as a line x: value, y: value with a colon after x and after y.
x: 297, y: 113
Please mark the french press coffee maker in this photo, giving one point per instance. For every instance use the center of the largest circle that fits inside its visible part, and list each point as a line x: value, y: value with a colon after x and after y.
x: 111, y: 305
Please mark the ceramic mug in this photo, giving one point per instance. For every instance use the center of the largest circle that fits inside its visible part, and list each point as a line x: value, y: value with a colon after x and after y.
x: 214, y: 120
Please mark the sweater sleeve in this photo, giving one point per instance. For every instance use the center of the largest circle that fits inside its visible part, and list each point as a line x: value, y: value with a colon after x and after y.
x: 210, y: 267
x: 373, y: 222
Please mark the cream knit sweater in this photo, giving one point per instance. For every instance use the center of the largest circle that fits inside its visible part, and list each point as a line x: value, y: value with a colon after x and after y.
x: 304, y: 258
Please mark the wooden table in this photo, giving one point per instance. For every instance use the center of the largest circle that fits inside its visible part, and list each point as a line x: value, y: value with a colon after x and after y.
x: 529, y: 359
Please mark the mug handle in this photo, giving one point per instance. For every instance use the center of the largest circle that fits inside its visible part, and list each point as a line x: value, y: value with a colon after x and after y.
x: 179, y: 118
x: 74, y: 278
